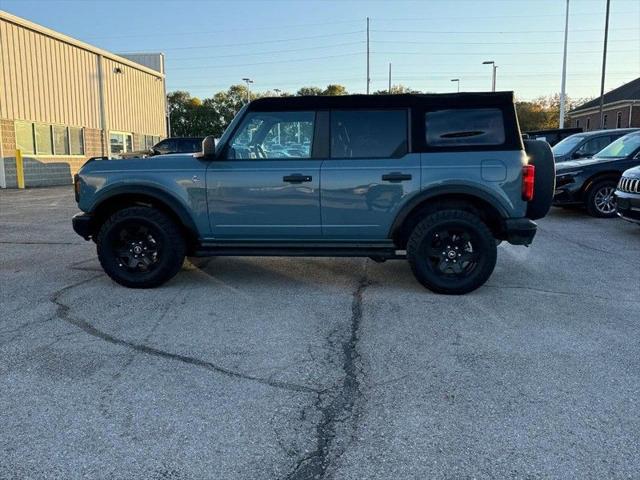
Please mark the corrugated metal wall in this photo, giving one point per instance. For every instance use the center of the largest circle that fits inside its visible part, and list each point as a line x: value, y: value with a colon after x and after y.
x: 43, y: 79
x: 134, y: 100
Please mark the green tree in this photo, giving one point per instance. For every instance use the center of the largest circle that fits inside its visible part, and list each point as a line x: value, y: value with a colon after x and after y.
x: 306, y: 91
x: 396, y: 89
x: 335, y: 90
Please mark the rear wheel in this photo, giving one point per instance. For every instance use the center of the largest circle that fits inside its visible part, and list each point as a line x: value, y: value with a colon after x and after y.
x: 140, y: 247
x: 600, y: 200
x: 452, y: 252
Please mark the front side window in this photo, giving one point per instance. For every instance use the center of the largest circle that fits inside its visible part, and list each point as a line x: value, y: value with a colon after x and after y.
x: 60, y: 140
x: 24, y: 137
x: 465, y: 127
x: 368, y: 133
x: 44, y: 145
x: 593, y: 146
x: 273, y: 135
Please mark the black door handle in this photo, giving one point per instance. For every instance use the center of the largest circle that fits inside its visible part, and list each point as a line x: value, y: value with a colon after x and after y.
x: 297, y: 178
x: 396, y: 177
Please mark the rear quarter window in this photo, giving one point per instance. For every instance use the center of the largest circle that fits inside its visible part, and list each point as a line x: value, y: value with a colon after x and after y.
x: 464, y: 127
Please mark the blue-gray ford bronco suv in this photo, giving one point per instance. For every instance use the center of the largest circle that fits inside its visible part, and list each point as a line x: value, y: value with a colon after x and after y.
x: 437, y: 179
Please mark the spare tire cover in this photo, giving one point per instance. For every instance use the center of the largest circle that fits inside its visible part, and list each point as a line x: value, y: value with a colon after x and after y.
x: 541, y: 157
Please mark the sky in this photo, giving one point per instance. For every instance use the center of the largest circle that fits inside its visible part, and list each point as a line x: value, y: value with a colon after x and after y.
x: 210, y: 45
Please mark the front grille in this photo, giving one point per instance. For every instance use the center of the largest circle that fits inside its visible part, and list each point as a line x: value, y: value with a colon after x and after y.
x: 629, y: 185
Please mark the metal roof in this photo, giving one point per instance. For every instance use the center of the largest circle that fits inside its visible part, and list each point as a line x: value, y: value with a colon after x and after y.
x: 629, y: 91
x: 76, y: 43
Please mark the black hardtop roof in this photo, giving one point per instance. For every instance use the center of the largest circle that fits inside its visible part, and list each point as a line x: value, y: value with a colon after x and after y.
x: 428, y: 100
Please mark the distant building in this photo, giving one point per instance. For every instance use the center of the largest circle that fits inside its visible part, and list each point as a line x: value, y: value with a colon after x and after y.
x: 63, y: 101
x: 621, y: 109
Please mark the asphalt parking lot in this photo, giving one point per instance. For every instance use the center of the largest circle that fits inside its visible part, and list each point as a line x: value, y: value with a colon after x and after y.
x: 286, y: 368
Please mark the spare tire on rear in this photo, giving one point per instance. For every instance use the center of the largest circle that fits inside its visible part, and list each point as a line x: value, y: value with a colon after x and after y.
x: 541, y: 157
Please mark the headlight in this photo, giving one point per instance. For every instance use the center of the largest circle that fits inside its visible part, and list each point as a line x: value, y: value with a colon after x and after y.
x: 565, y: 178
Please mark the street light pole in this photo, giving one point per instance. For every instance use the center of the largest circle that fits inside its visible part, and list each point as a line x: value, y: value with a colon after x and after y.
x: 368, y: 76
x: 248, y: 81
x: 564, y: 67
x: 457, y: 80
x: 389, y: 77
x: 493, y: 78
x: 604, y: 64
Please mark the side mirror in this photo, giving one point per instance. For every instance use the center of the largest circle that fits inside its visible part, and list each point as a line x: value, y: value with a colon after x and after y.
x: 208, y: 147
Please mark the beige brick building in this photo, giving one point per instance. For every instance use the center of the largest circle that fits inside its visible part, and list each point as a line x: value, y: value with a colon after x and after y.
x: 63, y: 101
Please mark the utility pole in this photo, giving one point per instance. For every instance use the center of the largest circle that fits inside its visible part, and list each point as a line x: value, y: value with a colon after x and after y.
x: 389, y: 77
x: 368, y: 77
x: 457, y: 80
x: 604, y: 64
x: 248, y: 81
x: 564, y: 67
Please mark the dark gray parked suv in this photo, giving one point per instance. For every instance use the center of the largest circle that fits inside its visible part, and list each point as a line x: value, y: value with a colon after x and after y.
x: 586, y: 144
x: 436, y: 179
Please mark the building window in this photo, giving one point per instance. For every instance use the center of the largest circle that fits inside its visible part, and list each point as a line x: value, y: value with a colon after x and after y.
x: 60, y: 140
x: 44, y: 143
x: 120, y: 142
x: 76, y: 140
x: 578, y: 123
x: 588, y: 123
x: 149, y: 141
x: 44, y: 139
x: 604, y: 121
x: 619, y: 120
x: 24, y: 137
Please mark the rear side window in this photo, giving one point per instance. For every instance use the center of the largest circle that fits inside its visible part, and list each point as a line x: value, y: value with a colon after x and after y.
x: 464, y: 127
x: 368, y: 133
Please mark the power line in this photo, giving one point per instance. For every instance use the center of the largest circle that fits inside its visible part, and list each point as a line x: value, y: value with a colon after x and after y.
x: 269, y: 52
x: 428, y: 42
x: 494, y: 53
x: 519, y: 32
x: 295, y: 60
x: 262, y: 42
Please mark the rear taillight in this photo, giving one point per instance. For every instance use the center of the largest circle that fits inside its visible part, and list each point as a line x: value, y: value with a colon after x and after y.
x: 528, y: 182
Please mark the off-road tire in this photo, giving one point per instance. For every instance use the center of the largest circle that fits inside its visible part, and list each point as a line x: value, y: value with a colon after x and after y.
x: 590, y: 198
x: 422, y: 237
x: 170, y: 238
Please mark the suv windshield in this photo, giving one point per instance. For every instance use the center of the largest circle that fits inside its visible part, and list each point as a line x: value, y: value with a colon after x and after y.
x: 622, y: 147
x: 565, y: 146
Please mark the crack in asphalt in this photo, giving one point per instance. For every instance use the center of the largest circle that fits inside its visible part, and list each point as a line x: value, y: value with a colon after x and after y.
x: 64, y: 313
x: 340, y: 408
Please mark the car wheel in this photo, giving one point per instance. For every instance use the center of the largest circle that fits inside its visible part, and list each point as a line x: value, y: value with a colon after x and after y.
x: 601, y: 201
x: 140, y: 247
x: 452, y: 252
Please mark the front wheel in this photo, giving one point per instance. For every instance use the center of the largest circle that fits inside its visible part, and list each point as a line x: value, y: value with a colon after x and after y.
x: 452, y: 252
x: 140, y: 247
x: 601, y: 201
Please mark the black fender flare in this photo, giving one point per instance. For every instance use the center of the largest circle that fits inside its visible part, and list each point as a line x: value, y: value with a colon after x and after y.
x: 166, y: 198
x: 425, y: 195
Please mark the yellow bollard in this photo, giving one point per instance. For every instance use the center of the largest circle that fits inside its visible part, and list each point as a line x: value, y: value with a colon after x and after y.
x: 19, y: 169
